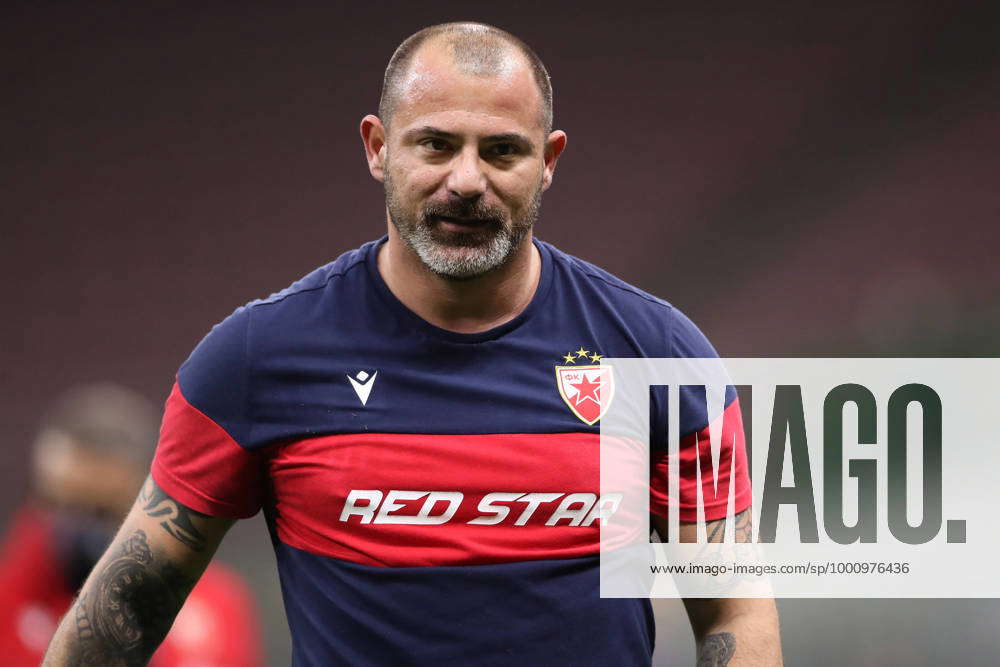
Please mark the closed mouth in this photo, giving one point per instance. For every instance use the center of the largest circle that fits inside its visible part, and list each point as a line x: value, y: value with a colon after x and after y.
x: 465, y: 222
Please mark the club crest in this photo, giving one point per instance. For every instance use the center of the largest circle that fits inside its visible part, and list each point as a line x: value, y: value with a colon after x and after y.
x: 585, y: 386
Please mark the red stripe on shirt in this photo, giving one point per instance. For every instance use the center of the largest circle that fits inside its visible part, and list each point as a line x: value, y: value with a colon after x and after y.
x: 200, y: 466
x: 696, y: 457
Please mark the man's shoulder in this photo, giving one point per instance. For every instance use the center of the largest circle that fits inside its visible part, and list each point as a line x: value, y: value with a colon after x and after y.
x: 601, y: 280
x: 320, y: 278
x: 647, y: 316
x: 289, y: 306
x: 230, y: 342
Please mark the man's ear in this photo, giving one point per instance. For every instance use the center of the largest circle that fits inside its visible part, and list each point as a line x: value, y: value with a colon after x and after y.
x: 373, y: 137
x: 554, y: 147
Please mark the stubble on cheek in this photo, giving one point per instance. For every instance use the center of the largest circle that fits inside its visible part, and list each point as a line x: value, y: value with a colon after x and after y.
x: 458, y: 254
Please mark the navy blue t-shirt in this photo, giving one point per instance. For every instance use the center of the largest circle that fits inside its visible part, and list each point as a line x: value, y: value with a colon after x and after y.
x: 433, y: 496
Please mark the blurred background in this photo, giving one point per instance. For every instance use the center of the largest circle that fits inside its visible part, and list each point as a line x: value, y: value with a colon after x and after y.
x: 801, y: 180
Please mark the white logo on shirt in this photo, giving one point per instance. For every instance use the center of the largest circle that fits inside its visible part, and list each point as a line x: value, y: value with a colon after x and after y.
x: 363, y: 383
x: 578, y: 509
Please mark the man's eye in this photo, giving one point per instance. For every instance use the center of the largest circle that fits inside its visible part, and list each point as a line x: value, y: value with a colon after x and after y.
x: 436, y: 145
x: 503, y: 150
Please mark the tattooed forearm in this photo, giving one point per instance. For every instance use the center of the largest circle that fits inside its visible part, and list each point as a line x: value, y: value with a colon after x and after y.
x: 83, y: 629
x: 128, y: 607
x: 717, y: 650
x: 715, y: 530
x: 174, y: 517
x: 743, y: 528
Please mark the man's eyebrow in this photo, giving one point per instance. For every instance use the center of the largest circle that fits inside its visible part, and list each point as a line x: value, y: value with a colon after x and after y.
x: 428, y: 130
x: 431, y: 131
x: 512, y: 137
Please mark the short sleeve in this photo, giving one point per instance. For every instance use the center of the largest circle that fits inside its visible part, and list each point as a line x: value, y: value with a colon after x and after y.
x: 697, y: 428
x: 203, y: 459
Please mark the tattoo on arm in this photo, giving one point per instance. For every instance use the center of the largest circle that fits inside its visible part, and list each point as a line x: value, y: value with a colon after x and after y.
x: 128, y: 607
x: 174, y: 517
x: 717, y: 650
x: 743, y: 528
x: 716, y: 530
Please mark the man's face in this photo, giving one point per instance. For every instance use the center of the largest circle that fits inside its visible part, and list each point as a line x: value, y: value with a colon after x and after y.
x: 87, y: 493
x: 465, y: 163
x: 74, y: 477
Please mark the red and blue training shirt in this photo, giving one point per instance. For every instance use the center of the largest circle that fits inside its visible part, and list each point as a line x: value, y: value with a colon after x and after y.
x: 433, y: 497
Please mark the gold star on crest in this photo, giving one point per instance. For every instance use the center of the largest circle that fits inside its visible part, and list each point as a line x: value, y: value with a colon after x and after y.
x: 582, y: 352
x: 595, y: 357
x: 569, y: 358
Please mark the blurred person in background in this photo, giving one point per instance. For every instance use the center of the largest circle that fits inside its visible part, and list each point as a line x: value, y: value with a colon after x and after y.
x: 89, y: 458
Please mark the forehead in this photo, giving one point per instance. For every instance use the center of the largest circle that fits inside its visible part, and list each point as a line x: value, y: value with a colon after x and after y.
x: 70, y: 472
x: 436, y: 89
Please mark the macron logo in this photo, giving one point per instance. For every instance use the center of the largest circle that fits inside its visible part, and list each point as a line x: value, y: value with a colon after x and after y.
x: 363, y: 383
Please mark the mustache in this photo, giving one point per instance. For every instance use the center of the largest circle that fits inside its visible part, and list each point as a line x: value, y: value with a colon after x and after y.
x: 465, y: 209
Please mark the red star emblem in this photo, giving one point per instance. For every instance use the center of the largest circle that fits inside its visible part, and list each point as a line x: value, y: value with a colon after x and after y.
x: 586, y: 389
x: 585, y: 385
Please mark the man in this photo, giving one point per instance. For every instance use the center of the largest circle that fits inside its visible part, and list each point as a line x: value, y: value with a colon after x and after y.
x: 90, y: 456
x: 431, y: 492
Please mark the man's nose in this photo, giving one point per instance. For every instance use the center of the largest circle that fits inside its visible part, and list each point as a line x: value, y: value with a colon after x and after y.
x: 466, y: 179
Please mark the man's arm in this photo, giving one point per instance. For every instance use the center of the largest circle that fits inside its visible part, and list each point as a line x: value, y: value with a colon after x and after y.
x: 130, y: 599
x: 740, y: 632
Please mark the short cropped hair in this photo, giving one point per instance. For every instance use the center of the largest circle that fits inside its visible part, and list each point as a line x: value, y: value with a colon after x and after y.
x: 107, y: 419
x: 477, y: 48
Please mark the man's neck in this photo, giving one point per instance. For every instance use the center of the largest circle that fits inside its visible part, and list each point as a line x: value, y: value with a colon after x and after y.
x: 464, y: 306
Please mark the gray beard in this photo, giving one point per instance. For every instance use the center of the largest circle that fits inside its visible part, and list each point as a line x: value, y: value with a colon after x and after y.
x: 466, y: 255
